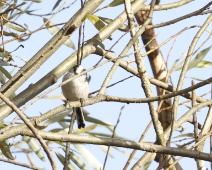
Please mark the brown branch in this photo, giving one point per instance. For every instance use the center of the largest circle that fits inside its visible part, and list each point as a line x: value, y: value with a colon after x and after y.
x: 31, y: 127
x: 145, y: 146
x: 20, y: 164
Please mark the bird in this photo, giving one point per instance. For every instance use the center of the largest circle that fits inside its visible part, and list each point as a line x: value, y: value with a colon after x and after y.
x: 76, y: 89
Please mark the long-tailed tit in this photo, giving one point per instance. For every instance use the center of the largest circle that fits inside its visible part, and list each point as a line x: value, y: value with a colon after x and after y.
x: 76, y: 89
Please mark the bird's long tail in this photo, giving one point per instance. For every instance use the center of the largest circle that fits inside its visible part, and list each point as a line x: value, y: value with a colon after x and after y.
x: 80, y: 118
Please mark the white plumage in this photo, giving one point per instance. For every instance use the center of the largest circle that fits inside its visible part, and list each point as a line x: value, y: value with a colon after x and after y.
x: 76, y: 90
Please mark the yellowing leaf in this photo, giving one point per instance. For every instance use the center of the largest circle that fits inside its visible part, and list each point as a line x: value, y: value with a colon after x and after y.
x: 96, y: 21
x: 87, y: 129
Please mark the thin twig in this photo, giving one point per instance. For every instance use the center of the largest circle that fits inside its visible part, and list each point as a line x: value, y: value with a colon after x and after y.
x: 108, y: 149
x: 134, y: 151
x: 73, y: 117
x: 20, y: 164
x: 31, y: 127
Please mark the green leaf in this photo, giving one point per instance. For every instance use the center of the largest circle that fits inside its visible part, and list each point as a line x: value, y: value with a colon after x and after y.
x: 5, y: 149
x: 198, y: 79
x: 35, y: 146
x: 116, y: 3
x: 204, y: 64
x: 12, y: 34
x: 62, y: 160
x: 77, y: 160
x: 97, y: 121
x: 107, y: 125
x: 197, y: 59
x: 19, y: 29
x: 5, y: 72
x: 54, y: 30
x: 147, y: 164
x: 37, y: 1
x: 56, y: 4
x: 185, y: 135
x: 123, y: 27
x: 56, y: 118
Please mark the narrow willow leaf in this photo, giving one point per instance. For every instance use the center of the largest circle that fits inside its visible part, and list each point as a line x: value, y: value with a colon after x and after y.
x: 5, y: 149
x: 56, y: 4
x: 77, y: 160
x: 123, y: 27
x: 62, y: 160
x: 54, y: 30
x: 197, y: 59
x: 146, y: 165
x: 198, y: 79
x: 96, y: 21
x: 88, y: 156
x: 87, y: 129
x: 35, y: 146
x: 97, y: 121
x: 185, y: 135
x: 204, y: 64
x: 116, y: 3
x: 107, y: 125
x: 56, y: 118
x: 19, y: 29
x: 12, y: 34
x: 37, y: 1
x: 5, y: 72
